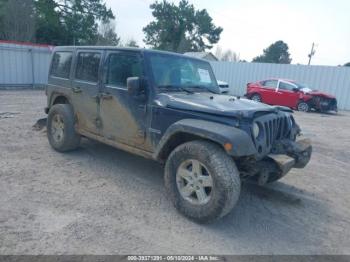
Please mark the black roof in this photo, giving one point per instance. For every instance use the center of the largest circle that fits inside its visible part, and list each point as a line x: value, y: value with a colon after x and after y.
x: 141, y: 50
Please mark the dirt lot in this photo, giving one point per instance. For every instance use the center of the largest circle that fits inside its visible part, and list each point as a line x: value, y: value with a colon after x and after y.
x: 99, y: 200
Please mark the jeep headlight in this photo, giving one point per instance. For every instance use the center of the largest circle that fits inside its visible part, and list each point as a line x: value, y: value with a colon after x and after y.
x: 256, y: 130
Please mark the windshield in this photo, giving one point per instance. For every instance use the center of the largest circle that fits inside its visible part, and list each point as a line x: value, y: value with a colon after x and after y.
x: 176, y: 72
x: 301, y: 85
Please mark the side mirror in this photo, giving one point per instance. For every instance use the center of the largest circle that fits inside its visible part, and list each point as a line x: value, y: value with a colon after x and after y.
x: 134, y: 86
x: 295, y: 89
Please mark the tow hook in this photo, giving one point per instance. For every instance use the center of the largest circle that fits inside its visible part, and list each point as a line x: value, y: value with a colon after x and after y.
x: 263, y: 177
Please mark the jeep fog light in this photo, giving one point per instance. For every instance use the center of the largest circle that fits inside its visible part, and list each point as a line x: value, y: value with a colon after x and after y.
x: 256, y: 130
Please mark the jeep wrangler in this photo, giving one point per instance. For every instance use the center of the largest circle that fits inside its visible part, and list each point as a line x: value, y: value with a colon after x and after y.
x: 167, y: 107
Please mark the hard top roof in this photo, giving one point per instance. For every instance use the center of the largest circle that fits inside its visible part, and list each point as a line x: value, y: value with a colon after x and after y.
x: 115, y: 48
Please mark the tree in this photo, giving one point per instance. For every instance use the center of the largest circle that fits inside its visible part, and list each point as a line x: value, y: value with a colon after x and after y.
x: 50, y: 26
x: 347, y: 64
x: 180, y: 28
x: 275, y: 53
x: 227, y: 55
x: 70, y: 22
x: 131, y: 43
x: 107, y: 35
x: 17, y: 20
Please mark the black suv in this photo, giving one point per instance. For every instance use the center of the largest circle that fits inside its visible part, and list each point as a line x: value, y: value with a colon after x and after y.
x: 167, y: 107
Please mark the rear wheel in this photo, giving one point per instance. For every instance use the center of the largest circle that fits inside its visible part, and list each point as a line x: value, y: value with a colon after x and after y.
x: 202, y: 181
x: 256, y: 98
x: 60, y: 128
x: 303, y: 106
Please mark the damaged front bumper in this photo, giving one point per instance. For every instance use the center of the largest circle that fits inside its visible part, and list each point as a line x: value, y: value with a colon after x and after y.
x: 286, y: 155
x: 296, y: 154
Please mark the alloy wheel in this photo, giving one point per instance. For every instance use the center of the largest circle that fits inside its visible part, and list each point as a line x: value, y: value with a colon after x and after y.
x: 57, y: 128
x: 194, y: 182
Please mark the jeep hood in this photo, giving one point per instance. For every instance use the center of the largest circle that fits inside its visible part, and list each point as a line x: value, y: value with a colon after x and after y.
x: 213, y: 104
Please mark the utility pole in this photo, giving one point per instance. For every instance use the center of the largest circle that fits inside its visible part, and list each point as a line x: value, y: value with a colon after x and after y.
x: 312, y: 53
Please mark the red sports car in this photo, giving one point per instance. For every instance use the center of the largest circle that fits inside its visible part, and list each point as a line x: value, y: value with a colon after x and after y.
x: 291, y: 94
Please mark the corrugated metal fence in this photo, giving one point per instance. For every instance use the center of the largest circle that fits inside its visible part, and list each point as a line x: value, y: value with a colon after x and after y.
x: 23, y: 65
x: 334, y: 80
x: 28, y: 65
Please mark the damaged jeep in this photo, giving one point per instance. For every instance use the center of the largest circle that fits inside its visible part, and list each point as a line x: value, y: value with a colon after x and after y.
x: 167, y: 107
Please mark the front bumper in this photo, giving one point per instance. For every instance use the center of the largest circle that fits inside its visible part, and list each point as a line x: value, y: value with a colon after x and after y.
x: 287, y: 154
x: 300, y: 150
x: 324, y: 104
x: 296, y: 154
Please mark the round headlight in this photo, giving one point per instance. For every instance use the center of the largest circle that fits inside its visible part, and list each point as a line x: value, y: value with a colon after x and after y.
x: 256, y: 130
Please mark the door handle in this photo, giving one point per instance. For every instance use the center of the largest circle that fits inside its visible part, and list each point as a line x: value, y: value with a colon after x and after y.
x: 96, y: 97
x: 106, y: 96
x: 77, y: 90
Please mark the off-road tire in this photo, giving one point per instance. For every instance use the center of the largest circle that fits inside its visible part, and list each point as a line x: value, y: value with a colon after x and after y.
x: 303, y: 106
x: 71, y: 139
x: 256, y: 98
x: 224, y: 173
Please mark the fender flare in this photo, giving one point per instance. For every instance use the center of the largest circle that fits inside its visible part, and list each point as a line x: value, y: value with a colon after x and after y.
x: 54, y: 95
x: 242, y: 144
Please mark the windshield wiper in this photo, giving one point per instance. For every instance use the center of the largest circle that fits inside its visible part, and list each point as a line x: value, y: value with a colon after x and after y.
x: 178, y: 87
x: 204, y: 87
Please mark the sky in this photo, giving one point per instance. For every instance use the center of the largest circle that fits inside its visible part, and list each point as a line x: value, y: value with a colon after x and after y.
x: 252, y: 25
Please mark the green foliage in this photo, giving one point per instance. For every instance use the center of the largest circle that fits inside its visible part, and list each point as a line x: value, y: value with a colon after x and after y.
x: 131, y: 43
x: 107, y: 35
x: 180, y: 28
x: 2, y: 11
x: 50, y: 27
x: 67, y: 22
x: 275, y: 53
x: 17, y: 20
x: 80, y: 19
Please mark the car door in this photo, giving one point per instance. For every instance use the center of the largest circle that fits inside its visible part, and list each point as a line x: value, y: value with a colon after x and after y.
x: 287, y: 96
x: 85, y: 89
x: 268, y: 91
x: 123, y: 116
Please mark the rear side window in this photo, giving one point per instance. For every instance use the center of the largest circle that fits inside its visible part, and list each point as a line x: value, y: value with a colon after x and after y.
x: 87, y: 66
x: 60, y: 65
x: 286, y: 86
x: 270, y: 83
x: 121, y: 66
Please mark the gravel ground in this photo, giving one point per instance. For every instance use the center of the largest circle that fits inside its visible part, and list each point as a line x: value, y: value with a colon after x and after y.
x: 99, y: 200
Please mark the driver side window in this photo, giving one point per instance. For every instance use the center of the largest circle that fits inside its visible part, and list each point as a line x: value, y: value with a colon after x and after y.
x: 121, y: 66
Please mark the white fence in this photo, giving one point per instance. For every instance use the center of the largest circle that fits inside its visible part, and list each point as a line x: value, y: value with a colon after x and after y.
x: 23, y: 65
x: 28, y: 65
x: 333, y: 80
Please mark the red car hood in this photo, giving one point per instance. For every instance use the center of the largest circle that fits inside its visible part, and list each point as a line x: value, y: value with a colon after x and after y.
x: 319, y: 93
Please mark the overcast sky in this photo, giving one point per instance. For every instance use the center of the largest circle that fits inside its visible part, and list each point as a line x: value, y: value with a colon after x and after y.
x: 252, y: 25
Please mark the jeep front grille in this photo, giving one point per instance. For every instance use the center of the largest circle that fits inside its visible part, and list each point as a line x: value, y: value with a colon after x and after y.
x: 275, y: 129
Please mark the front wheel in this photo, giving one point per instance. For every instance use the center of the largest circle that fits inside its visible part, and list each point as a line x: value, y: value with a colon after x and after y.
x: 303, y: 106
x: 202, y: 181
